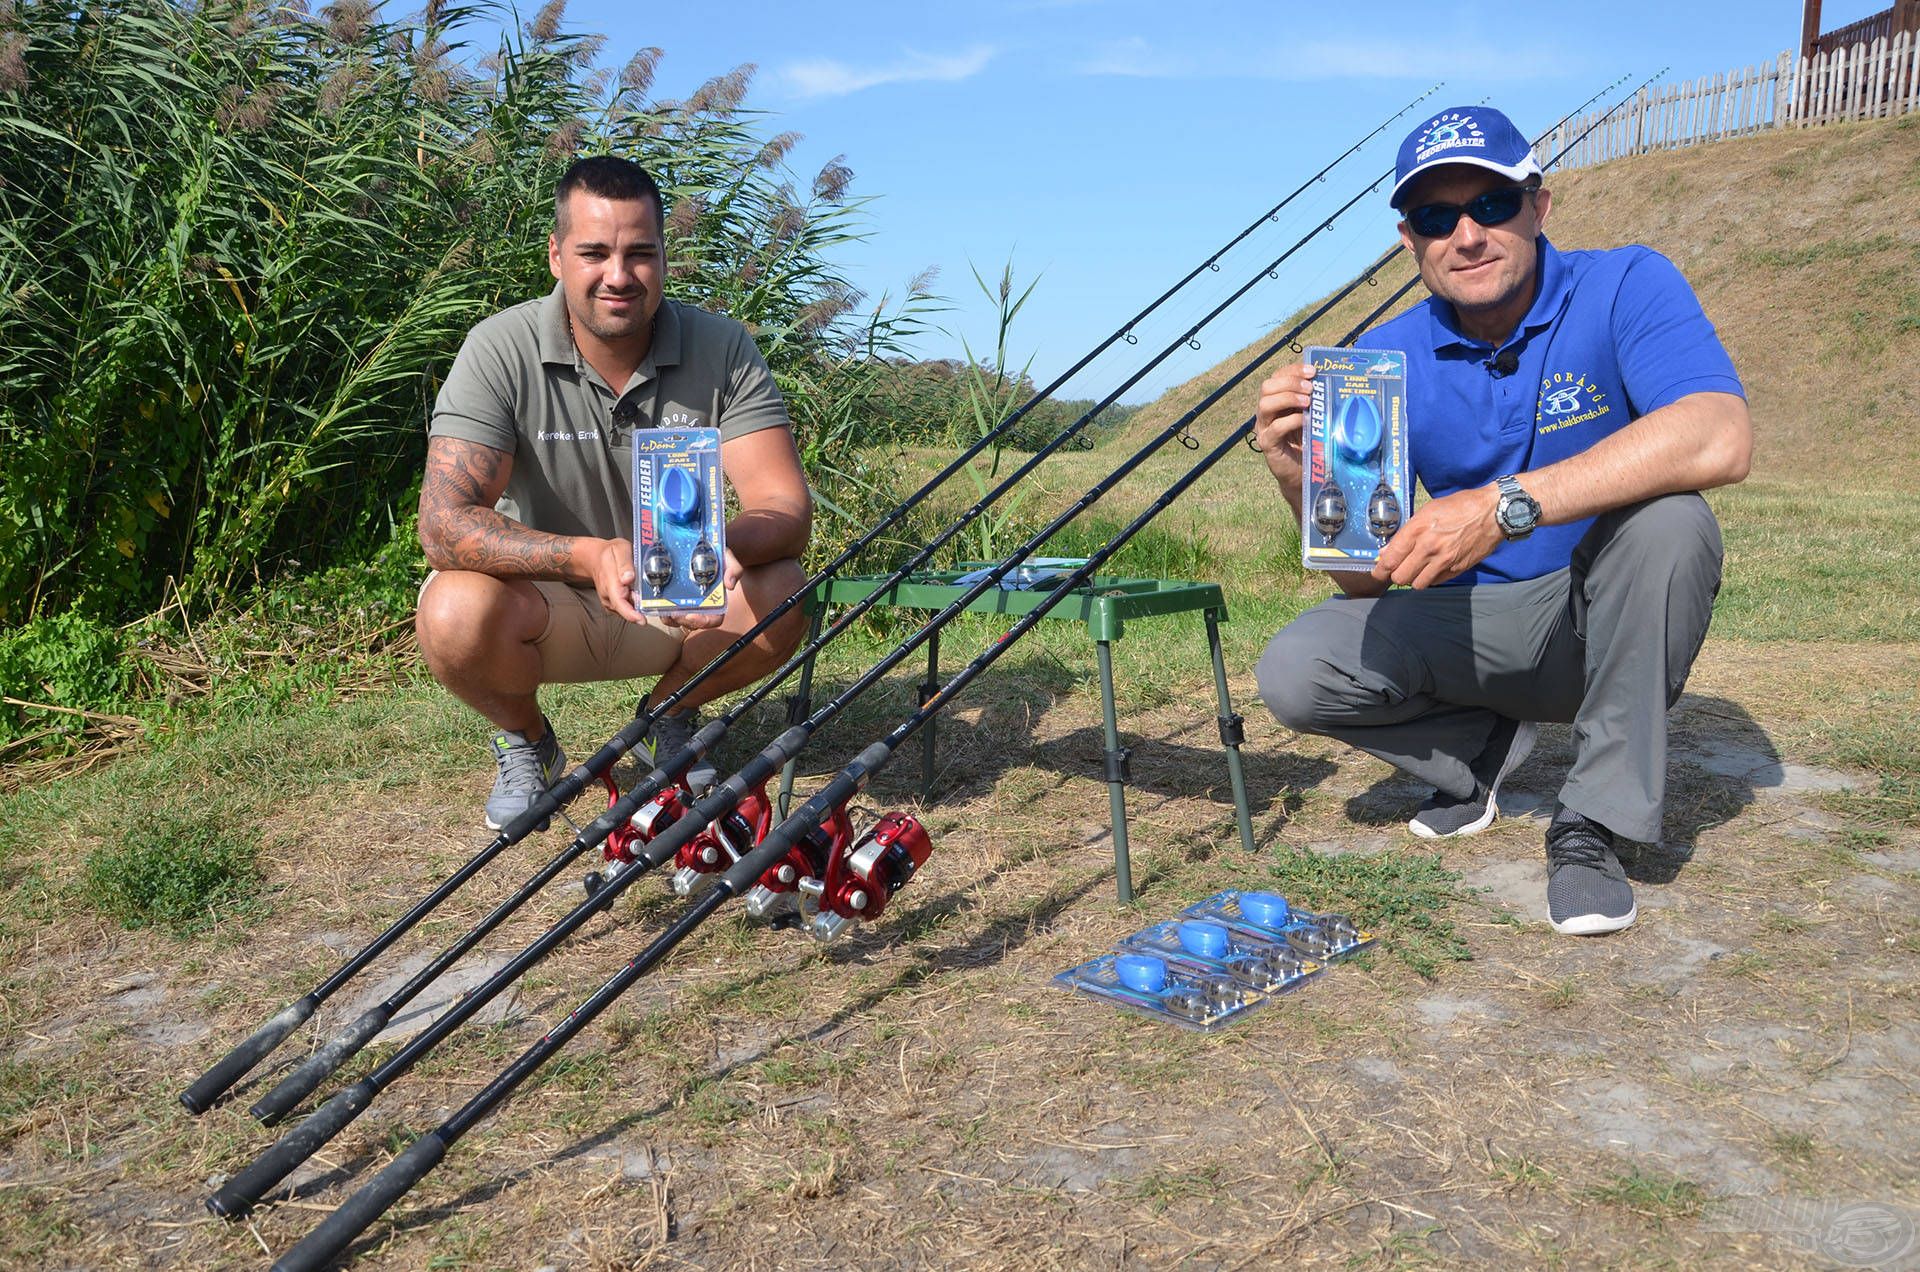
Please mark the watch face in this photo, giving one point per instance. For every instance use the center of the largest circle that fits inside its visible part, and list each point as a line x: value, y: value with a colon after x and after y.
x: 1517, y: 514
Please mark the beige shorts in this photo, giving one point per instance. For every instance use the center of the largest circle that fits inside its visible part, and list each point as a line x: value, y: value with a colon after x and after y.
x: 582, y: 641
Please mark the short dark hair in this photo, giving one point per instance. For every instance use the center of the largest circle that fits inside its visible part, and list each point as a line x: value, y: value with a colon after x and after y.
x: 606, y: 177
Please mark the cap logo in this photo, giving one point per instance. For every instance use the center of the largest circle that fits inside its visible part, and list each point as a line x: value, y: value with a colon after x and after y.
x: 1447, y: 132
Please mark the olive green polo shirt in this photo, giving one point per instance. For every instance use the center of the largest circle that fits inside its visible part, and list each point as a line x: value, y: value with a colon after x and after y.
x: 520, y: 385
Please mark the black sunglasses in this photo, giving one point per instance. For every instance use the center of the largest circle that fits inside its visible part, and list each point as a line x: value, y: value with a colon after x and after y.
x: 1495, y: 207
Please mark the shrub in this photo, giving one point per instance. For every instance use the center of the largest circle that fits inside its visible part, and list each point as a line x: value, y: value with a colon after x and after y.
x: 181, y: 871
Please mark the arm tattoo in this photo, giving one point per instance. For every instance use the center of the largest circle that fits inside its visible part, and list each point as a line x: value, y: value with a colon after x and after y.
x: 460, y: 529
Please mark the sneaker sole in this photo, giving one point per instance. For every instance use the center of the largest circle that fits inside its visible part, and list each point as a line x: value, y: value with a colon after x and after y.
x: 1594, y: 924
x: 1473, y: 827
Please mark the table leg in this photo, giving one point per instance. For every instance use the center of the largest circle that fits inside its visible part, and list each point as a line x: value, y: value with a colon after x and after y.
x: 799, y: 707
x: 928, y: 688
x: 1117, y: 774
x: 1232, y: 733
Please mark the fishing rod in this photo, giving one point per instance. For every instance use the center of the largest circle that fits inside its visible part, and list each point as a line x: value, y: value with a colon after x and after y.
x: 657, y: 797
x: 892, y: 851
x: 674, y: 834
x: 224, y: 1073
x: 907, y: 848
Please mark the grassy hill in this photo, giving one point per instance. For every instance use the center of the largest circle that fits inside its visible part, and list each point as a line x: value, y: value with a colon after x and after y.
x: 1805, y: 249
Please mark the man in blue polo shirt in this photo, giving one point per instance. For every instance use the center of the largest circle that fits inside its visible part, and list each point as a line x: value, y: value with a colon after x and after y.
x: 1564, y: 410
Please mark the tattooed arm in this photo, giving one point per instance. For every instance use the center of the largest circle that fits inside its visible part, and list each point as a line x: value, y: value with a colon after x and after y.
x: 459, y: 530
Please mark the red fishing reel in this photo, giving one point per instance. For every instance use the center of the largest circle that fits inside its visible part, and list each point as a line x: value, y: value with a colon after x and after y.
x: 860, y: 880
x: 648, y: 823
x: 729, y: 838
x: 778, y: 891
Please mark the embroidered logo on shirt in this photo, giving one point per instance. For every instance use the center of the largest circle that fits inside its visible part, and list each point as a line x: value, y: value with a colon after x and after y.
x: 1567, y: 399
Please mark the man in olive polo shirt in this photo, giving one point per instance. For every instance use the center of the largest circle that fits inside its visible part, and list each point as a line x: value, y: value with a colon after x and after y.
x: 526, y: 510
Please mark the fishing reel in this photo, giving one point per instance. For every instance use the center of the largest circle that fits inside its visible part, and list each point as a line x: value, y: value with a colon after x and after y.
x: 648, y: 823
x: 861, y: 880
x: 777, y: 894
x: 730, y: 837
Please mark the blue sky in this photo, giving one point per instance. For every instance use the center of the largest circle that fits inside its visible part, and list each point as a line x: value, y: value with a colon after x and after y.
x: 1107, y: 146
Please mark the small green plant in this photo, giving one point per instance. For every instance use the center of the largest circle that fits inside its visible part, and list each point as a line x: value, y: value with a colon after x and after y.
x: 1794, y: 1146
x: 1401, y: 895
x: 181, y: 871
x: 1650, y: 1193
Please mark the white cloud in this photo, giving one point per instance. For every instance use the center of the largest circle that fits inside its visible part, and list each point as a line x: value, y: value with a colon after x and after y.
x: 825, y: 77
x: 1132, y: 57
x: 1137, y: 58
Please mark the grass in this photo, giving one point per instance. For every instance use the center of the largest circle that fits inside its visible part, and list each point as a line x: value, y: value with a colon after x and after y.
x: 1651, y: 1194
x: 182, y: 871
x: 1402, y: 896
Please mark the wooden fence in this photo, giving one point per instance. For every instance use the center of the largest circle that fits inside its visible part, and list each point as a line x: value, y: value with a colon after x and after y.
x: 1866, y: 81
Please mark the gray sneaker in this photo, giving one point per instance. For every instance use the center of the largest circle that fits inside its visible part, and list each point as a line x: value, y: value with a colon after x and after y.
x: 526, y: 770
x: 1443, y: 817
x: 1587, y: 891
x: 669, y: 735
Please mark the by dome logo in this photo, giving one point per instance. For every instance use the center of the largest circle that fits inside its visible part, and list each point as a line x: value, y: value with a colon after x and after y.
x: 1450, y: 131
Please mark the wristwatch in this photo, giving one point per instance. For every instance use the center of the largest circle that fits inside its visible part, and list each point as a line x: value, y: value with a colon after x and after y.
x: 1518, y: 512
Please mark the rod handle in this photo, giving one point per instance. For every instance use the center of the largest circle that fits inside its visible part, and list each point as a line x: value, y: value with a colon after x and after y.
x: 234, y: 1065
x: 239, y: 1194
x: 336, y: 1232
x: 299, y: 1084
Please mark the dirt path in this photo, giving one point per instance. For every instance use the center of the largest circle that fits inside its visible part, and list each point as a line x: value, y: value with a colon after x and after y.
x: 1730, y: 1083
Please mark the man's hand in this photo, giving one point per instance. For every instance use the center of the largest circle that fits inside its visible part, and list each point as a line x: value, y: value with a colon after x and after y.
x: 1447, y: 536
x: 701, y: 620
x: 1278, y: 424
x: 610, y: 564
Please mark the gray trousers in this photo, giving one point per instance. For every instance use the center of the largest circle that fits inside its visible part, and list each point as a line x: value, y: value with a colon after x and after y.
x: 1419, y: 679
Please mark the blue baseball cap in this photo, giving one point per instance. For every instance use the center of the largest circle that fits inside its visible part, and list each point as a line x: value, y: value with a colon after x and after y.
x: 1476, y: 135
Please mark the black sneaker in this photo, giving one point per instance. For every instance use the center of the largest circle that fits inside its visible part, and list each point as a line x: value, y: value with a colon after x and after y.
x: 526, y: 770
x: 670, y: 734
x: 1587, y: 891
x: 1443, y: 816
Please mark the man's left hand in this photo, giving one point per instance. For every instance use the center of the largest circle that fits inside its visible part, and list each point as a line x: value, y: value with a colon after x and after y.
x: 699, y: 621
x: 1447, y: 536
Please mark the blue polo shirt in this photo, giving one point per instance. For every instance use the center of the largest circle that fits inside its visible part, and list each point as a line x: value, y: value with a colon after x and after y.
x: 1610, y: 337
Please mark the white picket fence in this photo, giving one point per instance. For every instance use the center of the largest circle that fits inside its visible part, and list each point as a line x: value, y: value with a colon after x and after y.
x: 1867, y: 81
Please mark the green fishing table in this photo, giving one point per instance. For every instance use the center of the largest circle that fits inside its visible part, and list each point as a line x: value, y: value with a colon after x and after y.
x: 1105, y: 605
